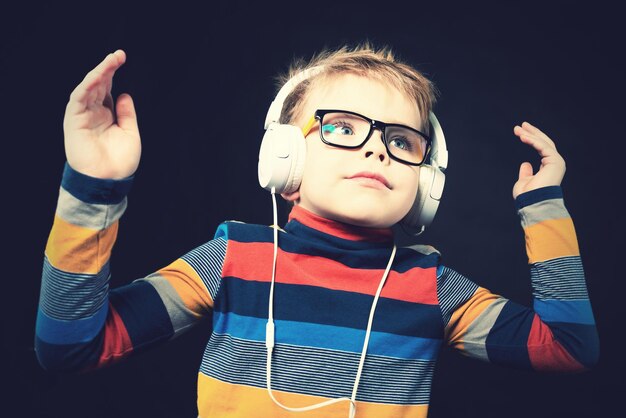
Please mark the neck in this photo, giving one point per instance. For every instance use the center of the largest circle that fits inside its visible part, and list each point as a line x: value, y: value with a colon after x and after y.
x: 339, y: 229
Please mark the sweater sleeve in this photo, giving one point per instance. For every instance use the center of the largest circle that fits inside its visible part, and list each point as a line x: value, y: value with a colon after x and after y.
x: 81, y: 323
x: 558, y: 333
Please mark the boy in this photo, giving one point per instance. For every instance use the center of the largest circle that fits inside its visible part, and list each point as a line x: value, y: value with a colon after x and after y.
x: 318, y: 353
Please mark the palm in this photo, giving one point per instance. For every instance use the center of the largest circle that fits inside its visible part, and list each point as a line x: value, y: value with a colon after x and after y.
x: 97, y: 143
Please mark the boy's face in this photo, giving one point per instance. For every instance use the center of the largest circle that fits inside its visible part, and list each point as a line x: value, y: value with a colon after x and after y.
x: 334, y: 184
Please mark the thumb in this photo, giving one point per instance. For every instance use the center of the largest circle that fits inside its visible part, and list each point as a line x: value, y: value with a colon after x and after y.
x: 126, y: 115
x: 525, y: 170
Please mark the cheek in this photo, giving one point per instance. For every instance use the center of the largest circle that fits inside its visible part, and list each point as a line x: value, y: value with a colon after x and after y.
x: 320, y: 162
x: 316, y: 170
x: 410, y: 185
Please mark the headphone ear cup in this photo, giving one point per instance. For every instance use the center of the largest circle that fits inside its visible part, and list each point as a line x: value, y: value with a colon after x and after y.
x: 297, y: 164
x: 281, y: 158
x: 429, y: 191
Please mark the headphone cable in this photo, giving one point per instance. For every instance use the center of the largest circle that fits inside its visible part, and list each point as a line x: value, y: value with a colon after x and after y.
x: 270, y: 330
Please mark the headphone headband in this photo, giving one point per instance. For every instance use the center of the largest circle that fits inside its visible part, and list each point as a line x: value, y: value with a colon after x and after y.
x: 273, y: 114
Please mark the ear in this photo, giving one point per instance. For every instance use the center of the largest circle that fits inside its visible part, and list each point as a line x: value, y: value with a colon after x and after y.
x: 292, y: 196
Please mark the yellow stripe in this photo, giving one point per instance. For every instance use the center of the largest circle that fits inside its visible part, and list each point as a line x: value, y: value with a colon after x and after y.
x: 551, y: 239
x: 465, y: 314
x: 188, y: 285
x: 307, y: 128
x: 225, y: 400
x: 76, y: 249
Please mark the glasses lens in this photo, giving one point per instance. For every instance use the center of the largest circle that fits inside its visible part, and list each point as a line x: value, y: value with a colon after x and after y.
x: 344, y: 129
x: 406, y: 144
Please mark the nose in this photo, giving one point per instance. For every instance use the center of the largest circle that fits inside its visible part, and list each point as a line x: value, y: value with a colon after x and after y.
x: 375, y: 147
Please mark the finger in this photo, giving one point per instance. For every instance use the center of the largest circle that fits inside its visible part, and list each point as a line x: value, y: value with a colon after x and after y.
x: 126, y: 115
x: 98, y: 77
x: 527, y: 134
x: 536, y: 131
x: 108, y: 102
x: 105, y: 90
x: 542, y: 147
x: 525, y: 170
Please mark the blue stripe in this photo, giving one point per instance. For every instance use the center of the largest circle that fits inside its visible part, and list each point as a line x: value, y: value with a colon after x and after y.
x: 94, y: 190
x: 222, y: 231
x: 507, y: 340
x: 538, y: 195
x: 55, y: 331
x: 299, y: 229
x: 143, y: 313
x: 300, y: 303
x: 68, y: 357
x: 355, y: 254
x: 327, y: 336
x: 581, y: 341
x: 570, y: 311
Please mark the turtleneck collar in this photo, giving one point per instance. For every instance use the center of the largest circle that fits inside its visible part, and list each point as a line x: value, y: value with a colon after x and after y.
x: 302, y: 221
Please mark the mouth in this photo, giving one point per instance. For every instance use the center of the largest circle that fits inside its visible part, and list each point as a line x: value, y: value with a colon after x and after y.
x: 370, y: 179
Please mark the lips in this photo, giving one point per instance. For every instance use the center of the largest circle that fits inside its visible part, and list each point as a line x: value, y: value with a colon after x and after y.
x: 372, y: 177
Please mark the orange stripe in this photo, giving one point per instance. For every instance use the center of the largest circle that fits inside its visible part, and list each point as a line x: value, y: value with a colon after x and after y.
x: 188, y: 285
x: 551, y: 239
x: 76, y: 249
x: 465, y: 314
x: 546, y: 353
x: 117, y: 344
x: 417, y: 285
x: 225, y: 400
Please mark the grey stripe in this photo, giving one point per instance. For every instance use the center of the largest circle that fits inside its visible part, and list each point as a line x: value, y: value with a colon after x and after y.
x: 207, y: 260
x: 542, y: 211
x: 560, y: 278
x: 423, y: 249
x: 182, y: 318
x: 453, y: 289
x: 70, y: 296
x: 319, y: 372
x: 88, y: 215
x: 476, y: 336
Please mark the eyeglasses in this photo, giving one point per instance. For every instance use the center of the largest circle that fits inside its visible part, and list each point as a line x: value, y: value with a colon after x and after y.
x: 345, y: 129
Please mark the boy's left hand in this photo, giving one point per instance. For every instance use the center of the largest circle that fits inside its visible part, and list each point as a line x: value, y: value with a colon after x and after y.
x: 552, y: 167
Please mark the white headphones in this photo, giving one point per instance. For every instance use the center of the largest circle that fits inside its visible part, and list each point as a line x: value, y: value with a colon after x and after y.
x: 283, y: 152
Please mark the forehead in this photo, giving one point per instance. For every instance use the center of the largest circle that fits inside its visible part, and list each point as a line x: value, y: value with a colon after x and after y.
x: 368, y: 96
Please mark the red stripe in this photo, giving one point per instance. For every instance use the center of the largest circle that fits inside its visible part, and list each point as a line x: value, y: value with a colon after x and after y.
x: 546, y: 353
x: 117, y: 342
x: 418, y: 285
x: 339, y: 229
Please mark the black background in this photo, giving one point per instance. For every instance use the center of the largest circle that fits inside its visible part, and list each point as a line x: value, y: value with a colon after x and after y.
x: 202, y: 79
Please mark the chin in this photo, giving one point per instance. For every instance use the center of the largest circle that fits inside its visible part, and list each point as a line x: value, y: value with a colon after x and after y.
x: 358, y: 210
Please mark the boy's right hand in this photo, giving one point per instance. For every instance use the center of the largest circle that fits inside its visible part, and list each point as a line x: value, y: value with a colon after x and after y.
x: 102, y: 139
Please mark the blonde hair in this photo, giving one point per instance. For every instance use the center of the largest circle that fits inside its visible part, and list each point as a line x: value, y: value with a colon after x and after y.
x: 363, y: 60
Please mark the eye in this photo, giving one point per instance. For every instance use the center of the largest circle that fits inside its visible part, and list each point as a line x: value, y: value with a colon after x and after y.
x: 400, y: 143
x: 338, y: 128
x: 345, y: 130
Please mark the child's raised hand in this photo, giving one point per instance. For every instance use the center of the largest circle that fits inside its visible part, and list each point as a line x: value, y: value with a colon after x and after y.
x: 552, y: 167
x: 102, y: 138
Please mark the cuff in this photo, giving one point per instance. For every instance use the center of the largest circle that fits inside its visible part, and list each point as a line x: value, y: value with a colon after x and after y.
x: 94, y: 190
x: 538, y: 195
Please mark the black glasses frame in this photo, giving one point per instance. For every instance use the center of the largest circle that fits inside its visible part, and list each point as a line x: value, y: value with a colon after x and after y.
x: 374, y: 124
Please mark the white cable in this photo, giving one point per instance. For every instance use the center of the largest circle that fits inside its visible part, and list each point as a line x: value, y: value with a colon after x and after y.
x: 269, y: 331
x: 367, y: 333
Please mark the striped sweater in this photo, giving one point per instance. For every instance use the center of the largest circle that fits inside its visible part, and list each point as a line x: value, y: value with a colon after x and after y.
x: 327, y: 274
